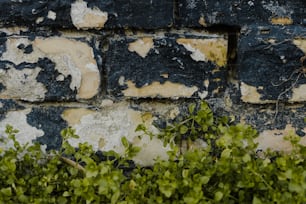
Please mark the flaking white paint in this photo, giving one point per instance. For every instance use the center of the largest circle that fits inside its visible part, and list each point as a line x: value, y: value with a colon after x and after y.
x: 22, y: 84
x: 18, y: 119
x: 85, y: 18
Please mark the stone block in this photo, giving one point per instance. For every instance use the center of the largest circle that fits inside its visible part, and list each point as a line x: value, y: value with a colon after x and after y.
x: 271, y: 64
x: 93, y: 14
x: 167, y: 66
x: 102, y: 127
x: 47, y: 69
x: 197, y: 13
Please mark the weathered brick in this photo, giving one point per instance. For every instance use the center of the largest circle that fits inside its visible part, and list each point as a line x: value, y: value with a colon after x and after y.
x: 93, y: 14
x: 196, y: 13
x: 271, y: 64
x: 167, y: 66
x: 47, y: 69
x: 102, y: 127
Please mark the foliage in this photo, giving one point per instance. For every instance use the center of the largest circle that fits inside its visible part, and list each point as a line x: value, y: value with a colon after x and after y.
x: 227, y: 170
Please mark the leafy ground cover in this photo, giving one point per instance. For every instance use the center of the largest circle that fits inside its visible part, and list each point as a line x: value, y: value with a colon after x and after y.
x: 227, y: 170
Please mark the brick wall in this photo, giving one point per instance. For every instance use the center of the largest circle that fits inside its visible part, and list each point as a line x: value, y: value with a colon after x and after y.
x: 103, y: 67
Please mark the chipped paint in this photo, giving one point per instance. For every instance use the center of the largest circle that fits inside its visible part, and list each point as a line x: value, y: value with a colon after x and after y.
x: 300, y: 43
x: 274, y: 139
x: 22, y: 84
x: 75, y: 59
x: 298, y: 94
x: 142, y: 46
x: 202, y: 21
x: 74, y: 115
x: 85, y: 18
x: 156, y: 89
x: 281, y: 21
x: 18, y: 119
x: 51, y: 15
x: 249, y: 94
x: 103, y: 130
x: 214, y: 50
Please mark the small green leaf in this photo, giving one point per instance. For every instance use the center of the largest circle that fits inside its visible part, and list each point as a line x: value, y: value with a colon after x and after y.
x: 124, y: 142
x: 6, y: 191
x: 183, y: 129
x: 256, y: 200
x: 218, y: 196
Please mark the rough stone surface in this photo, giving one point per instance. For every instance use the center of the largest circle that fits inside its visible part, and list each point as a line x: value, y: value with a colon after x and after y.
x: 93, y: 14
x: 167, y: 66
x: 197, y: 13
x: 271, y: 64
x: 47, y: 69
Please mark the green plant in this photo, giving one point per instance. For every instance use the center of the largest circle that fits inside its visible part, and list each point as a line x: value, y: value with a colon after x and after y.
x: 227, y: 170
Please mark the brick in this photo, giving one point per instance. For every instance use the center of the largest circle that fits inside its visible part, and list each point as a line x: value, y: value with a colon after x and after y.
x: 271, y: 64
x: 101, y: 127
x: 197, y: 13
x: 42, y: 69
x: 93, y: 14
x: 166, y: 66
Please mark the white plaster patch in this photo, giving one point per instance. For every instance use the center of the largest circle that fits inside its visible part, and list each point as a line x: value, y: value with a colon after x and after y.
x: 1, y: 105
x: 39, y: 20
x: 203, y: 94
x: 156, y: 89
x: 142, y: 46
x: 121, y: 80
x: 71, y: 57
x: 214, y: 50
x: 18, y: 119
x: 84, y: 18
x: 249, y: 94
x: 104, y: 129
x: 22, y: 84
x: 274, y: 139
x: 298, y: 94
x: 51, y: 15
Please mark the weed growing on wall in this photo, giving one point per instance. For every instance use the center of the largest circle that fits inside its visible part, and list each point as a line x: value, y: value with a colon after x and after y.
x: 227, y: 170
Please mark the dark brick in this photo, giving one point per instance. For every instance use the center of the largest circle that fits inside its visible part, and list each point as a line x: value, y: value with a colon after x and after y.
x: 48, y: 120
x: 166, y: 68
x: 194, y: 13
x: 270, y: 64
x: 146, y: 14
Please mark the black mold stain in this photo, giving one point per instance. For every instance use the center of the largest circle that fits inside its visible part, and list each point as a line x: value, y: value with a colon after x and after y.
x: 238, y: 13
x: 8, y: 105
x: 26, y: 13
x: 49, y: 120
x: 167, y: 57
x: 3, y: 40
x: 272, y: 66
x: 57, y: 90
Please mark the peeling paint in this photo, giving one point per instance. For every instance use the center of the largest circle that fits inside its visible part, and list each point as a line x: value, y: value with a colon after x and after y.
x: 298, y: 94
x: 18, y: 119
x: 300, y: 43
x: 156, y: 89
x: 78, y: 60
x: 51, y: 15
x: 281, y: 21
x: 249, y: 94
x: 202, y: 21
x: 142, y: 46
x: 104, y: 129
x: 74, y: 115
x: 75, y: 58
x: 84, y: 18
x: 22, y: 84
x: 214, y: 50
x: 274, y: 139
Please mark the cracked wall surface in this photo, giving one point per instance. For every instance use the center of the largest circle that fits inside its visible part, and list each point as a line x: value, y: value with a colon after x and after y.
x: 103, y: 67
